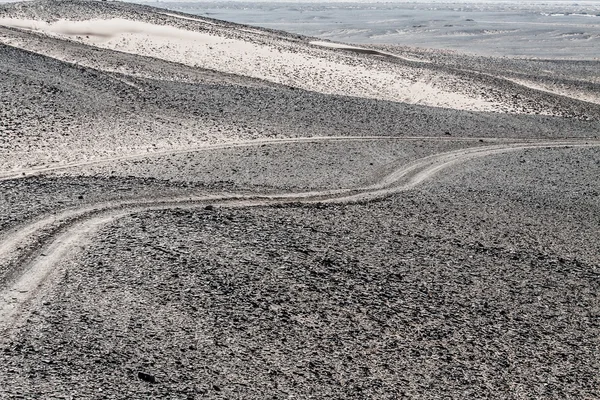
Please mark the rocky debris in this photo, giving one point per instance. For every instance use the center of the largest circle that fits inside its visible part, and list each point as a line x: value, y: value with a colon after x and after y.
x: 26, y: 199
x: 150, y: 105
x: 273, y: 168
x: 147, y: 377
x: 277, y: 166
x: 464, y: 286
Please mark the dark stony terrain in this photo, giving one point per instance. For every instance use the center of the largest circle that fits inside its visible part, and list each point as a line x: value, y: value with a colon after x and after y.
x: 481, y: 285
x: 480, y: 280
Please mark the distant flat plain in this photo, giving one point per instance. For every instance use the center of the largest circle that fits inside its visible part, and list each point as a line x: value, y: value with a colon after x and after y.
x: 530, y: 29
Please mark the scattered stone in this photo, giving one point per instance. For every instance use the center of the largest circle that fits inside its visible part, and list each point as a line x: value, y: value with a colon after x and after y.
x: 146, y: 377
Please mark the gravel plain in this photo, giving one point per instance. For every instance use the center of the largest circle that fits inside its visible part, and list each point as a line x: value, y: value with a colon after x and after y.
x: 480, y: 282
x: 466, y: 288
x: 309, y: 165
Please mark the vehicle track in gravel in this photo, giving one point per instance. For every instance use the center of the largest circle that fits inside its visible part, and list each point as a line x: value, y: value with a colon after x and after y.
x: 33, y: 171
x: 30, y: 252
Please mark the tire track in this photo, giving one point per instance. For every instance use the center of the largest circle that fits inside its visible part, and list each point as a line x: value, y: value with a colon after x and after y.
x: 32, y: 267
x: 27, y: 172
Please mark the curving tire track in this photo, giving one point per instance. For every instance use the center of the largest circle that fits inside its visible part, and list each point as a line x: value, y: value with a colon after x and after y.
x: 28, y: 268
x: 26, y: 172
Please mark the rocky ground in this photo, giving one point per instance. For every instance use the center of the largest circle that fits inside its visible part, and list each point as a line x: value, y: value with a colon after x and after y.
x: 254, y: 168
x: 481, y: 279
x: 578, y: 79
x: 483, y: 284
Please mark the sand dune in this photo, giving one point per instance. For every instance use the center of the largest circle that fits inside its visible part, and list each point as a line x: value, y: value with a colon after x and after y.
x: 278, y: 61
x: 304, y: 63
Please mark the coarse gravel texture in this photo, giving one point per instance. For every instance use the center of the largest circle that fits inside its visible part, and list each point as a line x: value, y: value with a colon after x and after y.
x: 276, y: 57
x: 22, y: 200
x: 318, y: 165
x: 450, y: 290
x: 79, y: 114
x: 480, y: 282
x: 274, y: 168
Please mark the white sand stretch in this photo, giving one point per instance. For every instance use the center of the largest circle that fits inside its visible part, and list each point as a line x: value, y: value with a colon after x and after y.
x: 234, y: 50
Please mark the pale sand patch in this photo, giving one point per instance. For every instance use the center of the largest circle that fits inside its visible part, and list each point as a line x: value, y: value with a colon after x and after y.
x: 340, y: 46
x: 335, y: 45
x: 280, y: 61
x: 105, y: 29
x: 61, y: 53
x: 561, y: 91
x: 256, y: 31
x: 188, y: 18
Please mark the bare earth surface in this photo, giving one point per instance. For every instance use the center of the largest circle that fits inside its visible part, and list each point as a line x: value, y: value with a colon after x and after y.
x: 191, y: 208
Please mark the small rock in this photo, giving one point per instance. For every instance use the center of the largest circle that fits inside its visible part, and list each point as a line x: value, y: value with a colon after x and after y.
x: 146, y: 377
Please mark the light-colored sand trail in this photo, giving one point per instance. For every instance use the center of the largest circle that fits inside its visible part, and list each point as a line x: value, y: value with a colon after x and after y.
x: 577, y: 94
x: 356, y: 49
x: 75, y: 225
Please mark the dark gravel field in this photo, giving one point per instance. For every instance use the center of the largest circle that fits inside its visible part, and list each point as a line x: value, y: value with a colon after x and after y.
x: 260, y: 168
x: 464, y: 288
x: 285, y: 166
x: 101, y: 102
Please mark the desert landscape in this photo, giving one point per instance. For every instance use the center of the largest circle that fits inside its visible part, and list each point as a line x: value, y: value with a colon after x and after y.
x: 192, y: 208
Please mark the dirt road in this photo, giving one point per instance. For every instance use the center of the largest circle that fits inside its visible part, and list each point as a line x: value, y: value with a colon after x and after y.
x: 27, y: 264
